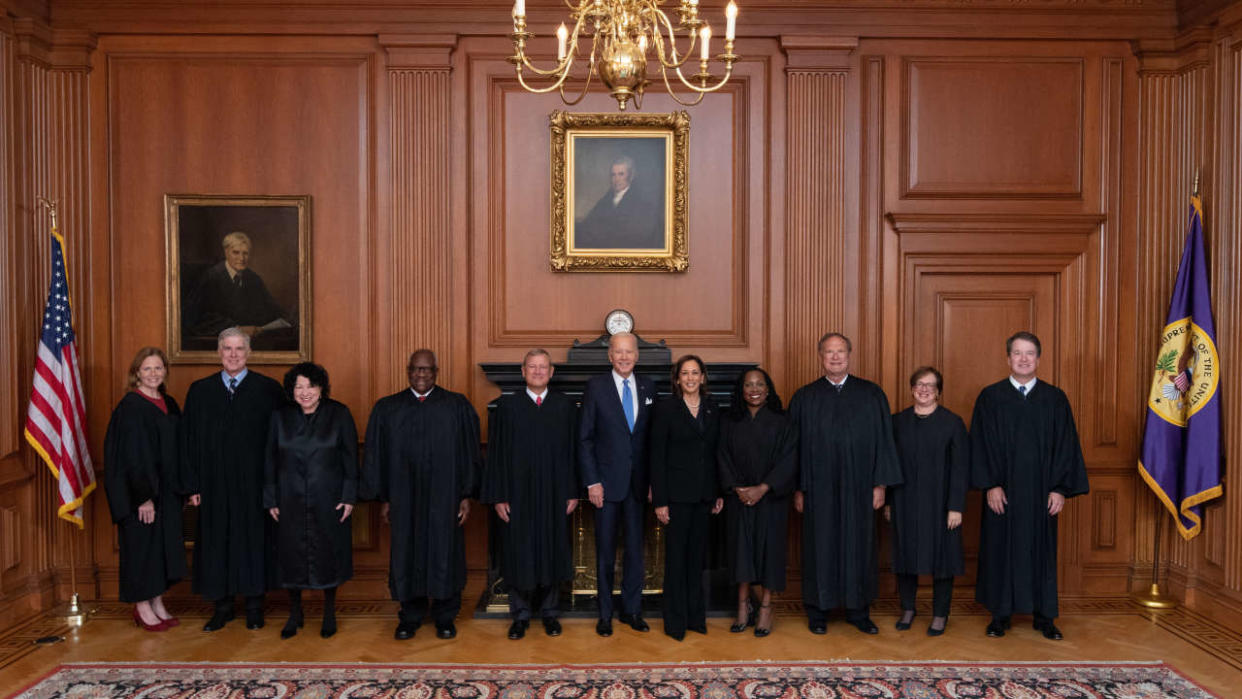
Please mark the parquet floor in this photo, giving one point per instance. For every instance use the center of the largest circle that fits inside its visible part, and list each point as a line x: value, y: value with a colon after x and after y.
x: 1099, y: 629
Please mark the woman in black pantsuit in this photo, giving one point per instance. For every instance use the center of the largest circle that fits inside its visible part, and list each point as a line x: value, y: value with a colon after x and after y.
x: 684, y: 433
x: 926, y: 509
x: 310, y: 486
x: 144, y: 493
x: 758, y: 464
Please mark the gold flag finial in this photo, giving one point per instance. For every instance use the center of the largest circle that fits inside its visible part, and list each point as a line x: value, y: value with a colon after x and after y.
x: 1194, y: 188
x: 50, y: 205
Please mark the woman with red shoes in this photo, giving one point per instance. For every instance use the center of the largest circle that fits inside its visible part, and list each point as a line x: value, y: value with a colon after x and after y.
x: 140, y: 476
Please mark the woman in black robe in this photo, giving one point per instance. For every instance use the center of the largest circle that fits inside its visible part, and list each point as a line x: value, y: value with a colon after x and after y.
x: 926, y: 509
x: 757, y: 463
x: 685, y: 429
x: 144, y: 493
x: 310, y: 486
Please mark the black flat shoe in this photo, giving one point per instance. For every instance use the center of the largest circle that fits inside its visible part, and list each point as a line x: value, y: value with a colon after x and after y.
x: 818, y: 628
x: 218, y: 620
x: 405, y: 630
x: 603, y: 627
x: 446, y: 631
x: 1049, y: 630
x: 903, y: 624
x: 518, y: 629
x: 676, y: 635
x: 996, y: 628
x: 865, y: 625
x: 551, y: 626
x: 254, y: 620
x: 291, y: 626
x: 635, y: 621
x: 328, y: 628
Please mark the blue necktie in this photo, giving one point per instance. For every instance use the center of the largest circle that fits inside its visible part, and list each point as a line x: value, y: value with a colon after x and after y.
x: 232, y: 387
x: 627, y: 403
x: 1022, y: 390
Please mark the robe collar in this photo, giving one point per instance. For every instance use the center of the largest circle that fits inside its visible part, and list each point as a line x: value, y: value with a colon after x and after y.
x: 1030, y: 385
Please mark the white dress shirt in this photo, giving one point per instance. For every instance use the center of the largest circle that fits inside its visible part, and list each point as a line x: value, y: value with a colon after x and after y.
x: 1029, y: 385
x: 538, y: 398
x: 618, y: 379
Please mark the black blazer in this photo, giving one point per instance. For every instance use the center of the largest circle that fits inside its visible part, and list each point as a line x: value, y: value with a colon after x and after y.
x: 608, y: 453
x: 683, y: 456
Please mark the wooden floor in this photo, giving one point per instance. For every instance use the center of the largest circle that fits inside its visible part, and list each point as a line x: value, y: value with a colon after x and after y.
x: 1100, y: 629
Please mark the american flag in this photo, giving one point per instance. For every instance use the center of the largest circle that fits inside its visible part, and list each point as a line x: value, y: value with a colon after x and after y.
x: 56, y: 418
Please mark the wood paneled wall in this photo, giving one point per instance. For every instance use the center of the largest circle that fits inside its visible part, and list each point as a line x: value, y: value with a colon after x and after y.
x: 927, y: 180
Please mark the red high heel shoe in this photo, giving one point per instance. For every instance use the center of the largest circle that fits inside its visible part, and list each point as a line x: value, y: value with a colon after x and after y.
x: 170, y: 621
x: 160, y: 626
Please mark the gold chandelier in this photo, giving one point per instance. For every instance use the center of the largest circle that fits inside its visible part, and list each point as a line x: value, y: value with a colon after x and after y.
x: 623, y: 35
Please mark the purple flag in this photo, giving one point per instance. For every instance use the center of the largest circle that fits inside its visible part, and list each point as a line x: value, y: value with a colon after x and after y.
x: 1181, y: 445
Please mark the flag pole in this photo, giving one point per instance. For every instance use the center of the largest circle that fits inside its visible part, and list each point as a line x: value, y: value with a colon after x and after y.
x: 73, y: 613
x: 1152, y: 598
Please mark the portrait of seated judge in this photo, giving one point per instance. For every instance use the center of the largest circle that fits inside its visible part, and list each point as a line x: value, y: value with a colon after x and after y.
x: 620, y: 194
x: 239, y: 268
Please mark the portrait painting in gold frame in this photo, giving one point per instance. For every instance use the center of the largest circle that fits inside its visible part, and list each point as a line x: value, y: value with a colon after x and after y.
x: 619, y: 192
x: 238, y: 261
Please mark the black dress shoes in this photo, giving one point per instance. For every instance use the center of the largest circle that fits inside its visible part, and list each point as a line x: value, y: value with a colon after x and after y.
x: 291, y: 626
x: 933, y: 631
x: 405, y: 630
x: 676, y: 635
x: 997, y: 627
x: 518, y: 629
x: 328, y: 628
x: 218, y: 620
x: 446, y: 631
x: 635, y: 621
x: 1049, y: 630
x: 254, y: 619
x: 603, y: 627
x: 865, y: 625
x: 551, y: 626
x: 698, y: 628
x: 819, y: 628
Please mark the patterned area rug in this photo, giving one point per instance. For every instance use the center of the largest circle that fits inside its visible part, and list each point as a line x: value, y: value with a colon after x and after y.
x: 743, y: 680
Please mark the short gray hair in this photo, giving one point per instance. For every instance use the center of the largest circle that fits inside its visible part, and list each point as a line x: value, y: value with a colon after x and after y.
x: 232, y: 332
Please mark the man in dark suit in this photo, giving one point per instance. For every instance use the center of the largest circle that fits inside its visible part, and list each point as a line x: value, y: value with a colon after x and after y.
x: 230, y: 294
x: 623, y: 217
x: 612, y: 445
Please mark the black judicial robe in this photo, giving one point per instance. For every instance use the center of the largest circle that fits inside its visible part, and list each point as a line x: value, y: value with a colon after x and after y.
x: 531, y: 466
x: 1028, y: 446
x: 223, y: 450
x: 753, y: 450
x: 312, y: 466
x: 423, y: 459
x: 845, y: 448
x: 140, y: 464
x: 935, y: 465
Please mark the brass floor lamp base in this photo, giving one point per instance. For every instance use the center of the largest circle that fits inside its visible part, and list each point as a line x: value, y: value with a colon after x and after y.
x: 1152, y: 598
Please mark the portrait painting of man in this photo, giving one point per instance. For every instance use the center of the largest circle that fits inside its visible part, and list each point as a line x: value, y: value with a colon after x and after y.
x: 618, y: 185
x: 239, y: 262
x: 626, y: 209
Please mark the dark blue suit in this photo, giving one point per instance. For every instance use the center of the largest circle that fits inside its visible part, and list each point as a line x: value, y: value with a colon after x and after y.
x: 610, y: 454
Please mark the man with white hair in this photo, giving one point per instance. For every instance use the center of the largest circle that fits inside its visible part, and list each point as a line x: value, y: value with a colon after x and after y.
x: 231, y: 294
x: 223, y: 445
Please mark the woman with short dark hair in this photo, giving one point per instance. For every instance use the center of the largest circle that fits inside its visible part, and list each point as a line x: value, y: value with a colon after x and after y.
x: 311, y: 483
x: 144, y: 492
x: 926, y: 509
x: 758, y: 466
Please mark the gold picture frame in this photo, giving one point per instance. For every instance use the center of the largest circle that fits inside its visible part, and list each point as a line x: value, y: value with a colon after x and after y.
x: 619, y: 194
x: 228, y: 265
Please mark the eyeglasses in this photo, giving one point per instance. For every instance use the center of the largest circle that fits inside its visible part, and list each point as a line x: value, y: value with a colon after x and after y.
x: 930, y: 386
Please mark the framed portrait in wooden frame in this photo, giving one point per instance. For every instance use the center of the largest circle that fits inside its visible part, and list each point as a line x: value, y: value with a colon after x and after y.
x: 619, y: 192
x: 238, y: 260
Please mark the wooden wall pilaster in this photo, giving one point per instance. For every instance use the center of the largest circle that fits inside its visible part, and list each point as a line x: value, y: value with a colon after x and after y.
x: 821, y: 176
x: 422, y: 260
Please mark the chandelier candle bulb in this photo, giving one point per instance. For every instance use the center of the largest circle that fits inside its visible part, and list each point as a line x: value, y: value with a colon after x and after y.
x: 706, y: 36
x: 731, y: 20
x: 561, y: 35
x: 519, y: 8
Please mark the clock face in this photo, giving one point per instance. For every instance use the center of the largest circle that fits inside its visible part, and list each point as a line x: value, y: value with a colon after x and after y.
x: 619, y: 321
